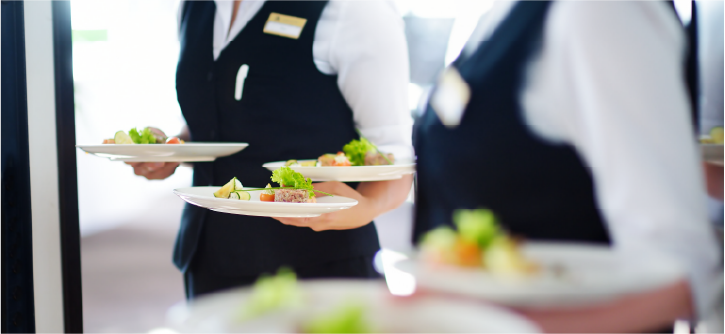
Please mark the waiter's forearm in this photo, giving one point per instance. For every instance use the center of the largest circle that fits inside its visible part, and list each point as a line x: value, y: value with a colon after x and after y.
x: 649, y: 311
x: 386, y: 195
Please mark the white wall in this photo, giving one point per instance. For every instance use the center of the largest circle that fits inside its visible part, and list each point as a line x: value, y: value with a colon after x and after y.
x: 47, y: 279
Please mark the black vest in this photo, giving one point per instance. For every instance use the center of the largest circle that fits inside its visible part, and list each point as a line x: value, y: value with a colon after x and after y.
x: 538, y: 190
x: 288, y: 110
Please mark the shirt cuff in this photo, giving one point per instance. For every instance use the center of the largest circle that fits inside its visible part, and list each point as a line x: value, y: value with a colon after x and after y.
x: 396, y: 139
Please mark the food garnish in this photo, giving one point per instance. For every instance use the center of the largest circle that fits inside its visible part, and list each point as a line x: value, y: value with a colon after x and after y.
x: 294, y: 188
x: 267, y: 195
x: 148, y: 135
x: 346, y: 318
x: 272, y: 293
x: 478, y: 242
x: 232, y: 186
x: 357, y: 150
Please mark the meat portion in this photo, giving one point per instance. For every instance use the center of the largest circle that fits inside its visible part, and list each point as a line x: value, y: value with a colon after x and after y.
x: 377, y: 159
x: 292, y: 196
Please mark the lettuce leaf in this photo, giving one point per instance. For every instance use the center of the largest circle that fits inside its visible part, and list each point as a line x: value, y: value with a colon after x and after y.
x: 478, y: 226
x: 346, y: 318
x: 357, y: 149
x: 271, y: 293
x: 145, y: 137
x: 289, y: 178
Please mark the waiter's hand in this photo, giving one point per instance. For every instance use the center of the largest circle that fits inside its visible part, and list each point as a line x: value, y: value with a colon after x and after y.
x: 374, y: 199
x: 154, y: 170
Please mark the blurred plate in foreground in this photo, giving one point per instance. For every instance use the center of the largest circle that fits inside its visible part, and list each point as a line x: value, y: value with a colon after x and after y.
x: 188, y: 152
x: 571, y: 274
x: 221, y: 312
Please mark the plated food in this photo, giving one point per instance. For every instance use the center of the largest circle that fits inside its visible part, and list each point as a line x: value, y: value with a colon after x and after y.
x: 355, y: 153
x: 478, y: 242
x: 149, y: 135
x: 364, y: 162
x: 481, y: 261
x: 295, y: 197
x: 294, y: 188
x: 281, y: 304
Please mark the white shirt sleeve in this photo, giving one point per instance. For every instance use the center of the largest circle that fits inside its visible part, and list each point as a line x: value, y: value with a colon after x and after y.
x: 609, y: 81
x: 363, y: 42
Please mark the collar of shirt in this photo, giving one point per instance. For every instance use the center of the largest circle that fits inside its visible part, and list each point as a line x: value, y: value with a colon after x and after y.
x: 223, y: 33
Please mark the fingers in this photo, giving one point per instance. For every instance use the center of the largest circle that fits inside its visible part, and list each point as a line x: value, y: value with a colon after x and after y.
x: 316, y: 224
x: 154, y: 170
x: 335, y: 188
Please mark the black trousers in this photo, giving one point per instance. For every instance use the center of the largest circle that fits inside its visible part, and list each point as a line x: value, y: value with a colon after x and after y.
x: 198, y: 282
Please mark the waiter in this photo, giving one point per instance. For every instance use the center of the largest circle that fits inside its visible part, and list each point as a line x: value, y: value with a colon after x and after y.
x: 570, y: 120
x: 295, y: 80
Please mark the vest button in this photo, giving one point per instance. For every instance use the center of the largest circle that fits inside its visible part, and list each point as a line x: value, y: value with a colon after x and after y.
x: 210, y: 76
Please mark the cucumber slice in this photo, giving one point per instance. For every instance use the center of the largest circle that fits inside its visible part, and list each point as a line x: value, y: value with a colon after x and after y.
x: 122, y: 138
x: 237, y: 184
x: 716, y: 134
x: 240, y: 195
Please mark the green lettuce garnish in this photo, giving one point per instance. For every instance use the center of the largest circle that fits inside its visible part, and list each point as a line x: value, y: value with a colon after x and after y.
x: 347, y: 318
x: 272, y: 293
x: 145, y: 137
x: 478, y: 226
x: 357, y: 149
x: 289, y: 178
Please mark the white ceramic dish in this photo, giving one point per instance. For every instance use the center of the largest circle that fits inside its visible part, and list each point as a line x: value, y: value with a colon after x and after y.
x: 351, y: 173
x: 204, y: 197
x: 571, y: 275
x: 188, y: 152
x: 219, y: 313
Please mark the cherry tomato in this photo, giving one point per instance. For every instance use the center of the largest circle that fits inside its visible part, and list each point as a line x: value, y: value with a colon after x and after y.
x: 173, y: 140
x: 266, y: 197
x: 468, y: 253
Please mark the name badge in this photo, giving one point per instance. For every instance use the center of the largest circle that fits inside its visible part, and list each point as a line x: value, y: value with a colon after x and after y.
x: 450, y: 97
x: 284, y: 25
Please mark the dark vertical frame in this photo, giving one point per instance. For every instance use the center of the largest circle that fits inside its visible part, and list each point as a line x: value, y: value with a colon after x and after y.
x: 67, y: 169
x: 18, y: 309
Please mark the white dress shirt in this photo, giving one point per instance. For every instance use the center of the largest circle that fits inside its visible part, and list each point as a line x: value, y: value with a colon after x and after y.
x: 609, y: 81
x: 363, y: 43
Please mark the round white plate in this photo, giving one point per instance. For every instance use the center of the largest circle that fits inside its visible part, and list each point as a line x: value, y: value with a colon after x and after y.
x: 351, y: 173
x: 164, y: 152
x: 712, y: 153
x: 219, y: 313
x: 571, y: 275
x: 204, y: 197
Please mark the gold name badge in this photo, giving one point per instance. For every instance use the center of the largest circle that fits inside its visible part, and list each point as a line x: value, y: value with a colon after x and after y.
x: 284, y: 25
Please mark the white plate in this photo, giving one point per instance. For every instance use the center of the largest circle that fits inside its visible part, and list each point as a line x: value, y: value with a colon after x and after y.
x: 164, y: 152
x: 350, y: 173
x: 572, y: 275
x: 204, y: 197
x: 219, y: 313
x: 712, y: 153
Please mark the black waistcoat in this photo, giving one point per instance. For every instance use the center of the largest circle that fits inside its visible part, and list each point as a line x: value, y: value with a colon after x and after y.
x: 492, y: 160
x: 288, y: 110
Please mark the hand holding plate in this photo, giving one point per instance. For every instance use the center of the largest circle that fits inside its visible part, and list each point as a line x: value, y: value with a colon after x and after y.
x: 355, y: 217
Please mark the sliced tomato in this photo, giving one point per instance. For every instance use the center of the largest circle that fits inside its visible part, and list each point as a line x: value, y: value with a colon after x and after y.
x: 173, y: 140
x: 266, y: 197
